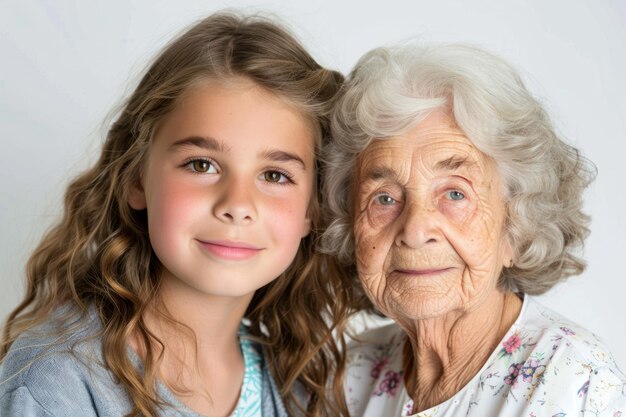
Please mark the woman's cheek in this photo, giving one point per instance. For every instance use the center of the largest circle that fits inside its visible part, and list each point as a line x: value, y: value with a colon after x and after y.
x: 466, y: 229
x: 369, y: 246
x: 381, y: 216
x: 472, y: 238
x: 457, y: 212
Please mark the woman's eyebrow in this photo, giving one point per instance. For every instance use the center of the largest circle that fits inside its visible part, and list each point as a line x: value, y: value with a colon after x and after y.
x: 205, y: 142
x: 453, y: 163
x: 376, y: 173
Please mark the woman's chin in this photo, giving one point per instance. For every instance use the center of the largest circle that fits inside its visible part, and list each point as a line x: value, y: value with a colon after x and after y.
x: 422, y: 307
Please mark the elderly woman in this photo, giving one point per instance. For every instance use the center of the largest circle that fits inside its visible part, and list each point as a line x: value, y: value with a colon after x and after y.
x: 455, y: 202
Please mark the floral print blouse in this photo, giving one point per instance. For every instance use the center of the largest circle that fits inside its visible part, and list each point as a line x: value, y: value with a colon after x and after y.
x: 544, y: 366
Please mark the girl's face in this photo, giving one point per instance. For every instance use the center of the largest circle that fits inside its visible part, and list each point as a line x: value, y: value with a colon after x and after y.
x: 227, y: 185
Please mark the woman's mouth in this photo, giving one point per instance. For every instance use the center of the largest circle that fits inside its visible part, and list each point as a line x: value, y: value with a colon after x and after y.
x: 422, y: 272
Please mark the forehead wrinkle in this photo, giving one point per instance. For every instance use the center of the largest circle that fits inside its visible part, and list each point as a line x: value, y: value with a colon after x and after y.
x: 386, y: 160
x: 466, y: 160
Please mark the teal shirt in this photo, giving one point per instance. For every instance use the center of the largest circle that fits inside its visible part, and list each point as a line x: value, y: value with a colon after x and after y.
x: 52, y: 375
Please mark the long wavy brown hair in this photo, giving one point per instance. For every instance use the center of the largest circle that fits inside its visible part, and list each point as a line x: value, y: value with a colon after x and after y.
x: 99, y: 255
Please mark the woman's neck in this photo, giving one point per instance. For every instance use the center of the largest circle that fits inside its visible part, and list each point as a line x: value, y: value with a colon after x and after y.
x: 442, y: 355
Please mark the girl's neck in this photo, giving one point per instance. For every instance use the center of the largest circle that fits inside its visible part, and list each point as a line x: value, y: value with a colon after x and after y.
x: 444, y: 354
x: 214, y: 320
x: 202, y: 362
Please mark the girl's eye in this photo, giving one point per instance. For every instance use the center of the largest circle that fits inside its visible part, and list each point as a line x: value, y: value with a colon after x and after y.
x: 455, y: 195
x: 202, y: 166
x: 385, y: 199
x: 276, y: 177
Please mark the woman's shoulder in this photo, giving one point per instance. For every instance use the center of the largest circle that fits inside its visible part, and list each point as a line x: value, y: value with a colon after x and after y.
x: 548, y: 360
x: 544, y: 326
x: 374, y: 372
x: 57, y: 369
x: 368, y: 332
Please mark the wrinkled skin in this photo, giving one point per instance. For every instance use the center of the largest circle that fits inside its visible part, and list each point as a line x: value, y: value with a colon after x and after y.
x: 430, y: 245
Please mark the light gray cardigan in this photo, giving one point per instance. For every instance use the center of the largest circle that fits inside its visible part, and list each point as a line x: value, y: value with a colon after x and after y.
x: 47, y: 375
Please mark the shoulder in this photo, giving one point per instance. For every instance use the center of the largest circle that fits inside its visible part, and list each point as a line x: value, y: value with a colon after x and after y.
x: 374, y: 373
x: 387, y: 337
x: 572, y: 363
x: 377, y: 347
x: 548, y: 327
x: 61, y: 373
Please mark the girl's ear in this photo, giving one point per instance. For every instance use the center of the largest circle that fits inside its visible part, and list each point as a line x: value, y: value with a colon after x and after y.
x: 137, y: 196
x: 306, y: 226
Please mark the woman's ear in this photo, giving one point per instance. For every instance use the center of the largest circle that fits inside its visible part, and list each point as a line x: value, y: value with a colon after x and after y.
x: 507, y: 254
x: 137, y: 195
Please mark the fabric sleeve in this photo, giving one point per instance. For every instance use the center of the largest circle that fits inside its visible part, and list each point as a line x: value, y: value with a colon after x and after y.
x: 20, y: 403
x: 605, y: 394
x: 58, y: 385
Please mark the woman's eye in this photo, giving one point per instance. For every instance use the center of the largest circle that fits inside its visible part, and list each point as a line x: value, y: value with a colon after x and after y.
x: 276, y: 177
x: 455, y: 195
x: 385, y: 200
x: 202, y: 166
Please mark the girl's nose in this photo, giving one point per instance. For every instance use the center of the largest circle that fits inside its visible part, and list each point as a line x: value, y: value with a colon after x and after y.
x: 236, y: 204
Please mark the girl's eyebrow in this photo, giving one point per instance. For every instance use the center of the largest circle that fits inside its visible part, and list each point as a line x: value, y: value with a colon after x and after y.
x: 206, y: 142
x: 213, y: 144
x: 282, y: 156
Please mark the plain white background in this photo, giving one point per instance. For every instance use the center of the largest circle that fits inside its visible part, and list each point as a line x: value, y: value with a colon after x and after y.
x: 66, y: 64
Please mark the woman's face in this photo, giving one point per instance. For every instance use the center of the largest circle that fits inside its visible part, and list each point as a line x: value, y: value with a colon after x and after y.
x: 429, y: 222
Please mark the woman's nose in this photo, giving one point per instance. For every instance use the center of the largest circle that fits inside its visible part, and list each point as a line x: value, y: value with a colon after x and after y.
x: 236, y: 203
x: 420, y: 226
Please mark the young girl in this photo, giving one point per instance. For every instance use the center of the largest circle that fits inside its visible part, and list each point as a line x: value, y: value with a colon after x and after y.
x: 201, y: 212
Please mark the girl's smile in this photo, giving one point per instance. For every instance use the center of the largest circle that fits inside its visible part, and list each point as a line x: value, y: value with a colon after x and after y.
x: 228, y: 250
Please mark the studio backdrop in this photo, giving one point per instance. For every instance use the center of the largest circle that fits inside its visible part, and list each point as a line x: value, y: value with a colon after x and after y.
x: 66, y: 64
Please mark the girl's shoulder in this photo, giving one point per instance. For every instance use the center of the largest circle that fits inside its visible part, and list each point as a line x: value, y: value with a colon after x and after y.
x: 57, y: 368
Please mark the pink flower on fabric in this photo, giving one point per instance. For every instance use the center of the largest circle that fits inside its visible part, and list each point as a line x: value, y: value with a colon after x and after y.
x: 378, y: 367
x: 532, y: 369
x: 512, y: 343
x: 389, y: 385
x: 408, y: 408
x: 511, y: 378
